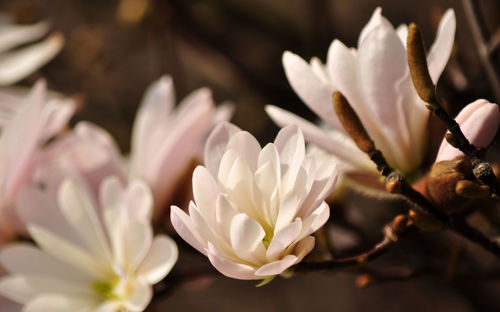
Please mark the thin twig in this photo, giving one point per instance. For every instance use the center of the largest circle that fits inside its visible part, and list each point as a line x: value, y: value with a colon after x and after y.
x: 390, y: 237
x: 472, y: 14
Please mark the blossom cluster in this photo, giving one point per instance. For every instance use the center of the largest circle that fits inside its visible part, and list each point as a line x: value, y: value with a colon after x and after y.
x: 91, y: 211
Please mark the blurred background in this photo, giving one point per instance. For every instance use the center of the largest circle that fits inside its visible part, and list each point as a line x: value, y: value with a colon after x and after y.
x: 114, y: 49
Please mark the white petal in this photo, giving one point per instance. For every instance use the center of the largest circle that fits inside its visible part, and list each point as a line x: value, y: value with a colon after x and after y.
x: 139, y: 201
x: 141, y: 296
x: 247, y: 146
x: 78, y: 208
x: 16, y: 65
x: 185, y: 228
x: 229, y: 268
x: 339, y: 145
x: 160, y: 259
x: 65, y: 251
x: 382, y: 57
x: 375, y: 21
x: 291, y: 147
x: 224, y: 214
x: 314, y: 92
x: 440, y: 50
x: 314, y: 221
x: 23, y: 288
x: 216, y: 145
x: 283, y: 239
x: 12, y: 36
x: 276, y: 267
x: 246, y: 238
x: 304, y: 247
x: 57, y: 303
x: 156, y: 104
x: 205, y: 192
x: 20, y: 258
x: 138, y: 239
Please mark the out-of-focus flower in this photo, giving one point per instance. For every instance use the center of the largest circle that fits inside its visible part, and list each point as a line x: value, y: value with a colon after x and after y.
x: 479, y: 122
x: 27, y: 124
x: 166, y: 140
x: 254, y: 208
x: 87, y: 151
x: 375, y: 80
x: 90, y: 257
x: 17, y: 64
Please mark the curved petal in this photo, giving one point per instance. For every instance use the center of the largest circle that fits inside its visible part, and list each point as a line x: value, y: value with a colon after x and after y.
x: 185, y: 228
x: 12, y: 36
x: 246, y: 238
x: 160, y: 259
x: 18, y: 64
x: 229, y: 268
x: 283, y: 239
x: 20, y: 258
x: 215, y: 146
x: 80, y: 211
x: 314, y: 92
x: 440, y: 50
x: 276, y: 267
x: 157, y: 103
x: 247, y: 146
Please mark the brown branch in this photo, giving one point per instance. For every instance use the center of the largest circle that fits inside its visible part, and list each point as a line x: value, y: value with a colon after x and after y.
x: 391, y: 235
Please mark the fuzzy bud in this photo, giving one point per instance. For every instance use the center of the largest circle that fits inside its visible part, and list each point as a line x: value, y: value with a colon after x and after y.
x: 417, y: 61
x: 351, y: 123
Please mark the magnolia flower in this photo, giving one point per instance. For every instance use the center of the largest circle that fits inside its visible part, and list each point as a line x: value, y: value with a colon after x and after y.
x: 32, y: 121
x: 165, y: 141
x: 87, y: 151
x: 254, y: 208
x: 479, y: 122
x: 90, y: 257
x: 17, y: 64
x: 376, y: 81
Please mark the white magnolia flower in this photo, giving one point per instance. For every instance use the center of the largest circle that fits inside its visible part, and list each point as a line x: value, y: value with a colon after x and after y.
x: 17, y: 64
x: 27, y: 123
x: 255, y: 208
x: 375, y: 79
x: 166, y: 140
x: 90, y: 257
x: 479, y: 122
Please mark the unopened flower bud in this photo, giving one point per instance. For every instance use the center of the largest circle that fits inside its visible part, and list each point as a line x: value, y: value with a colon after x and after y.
x: 351, y: 123
x: 417, y: 61
x: 479, y: 123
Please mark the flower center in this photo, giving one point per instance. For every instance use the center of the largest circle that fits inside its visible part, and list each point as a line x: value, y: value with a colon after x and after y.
x: 105, y: 289
x: 267, y: 239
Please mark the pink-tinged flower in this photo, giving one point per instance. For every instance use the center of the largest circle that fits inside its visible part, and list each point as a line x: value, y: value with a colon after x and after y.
x: 255, y: 208
x: 375, y: 79
x: 87, y: 151
x: 479, y: 122
x: 17, y: 64
x: 165, y: 140
x: 27, y: 124
x: 90, y: 257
